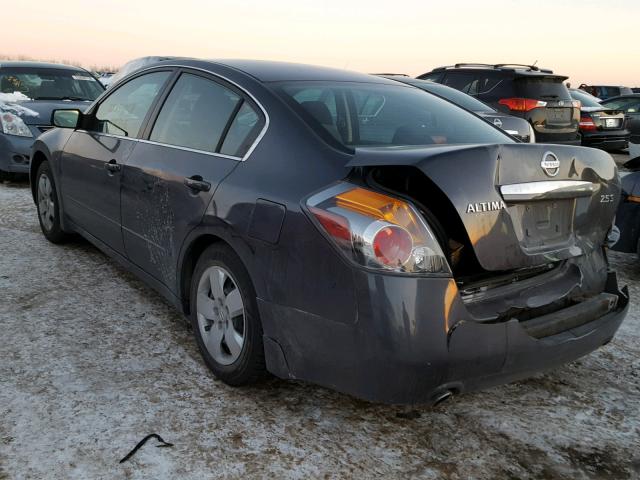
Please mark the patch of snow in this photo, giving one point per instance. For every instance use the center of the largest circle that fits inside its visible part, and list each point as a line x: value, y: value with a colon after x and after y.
x: 9, y: 103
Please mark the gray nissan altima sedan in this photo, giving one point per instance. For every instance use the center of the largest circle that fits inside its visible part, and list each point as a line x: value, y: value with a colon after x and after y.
x: 29, y: 93
x: 339, y: 228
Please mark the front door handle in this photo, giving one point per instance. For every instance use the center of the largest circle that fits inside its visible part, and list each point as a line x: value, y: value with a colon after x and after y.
x: 196, y: 183
x: 112, y: 166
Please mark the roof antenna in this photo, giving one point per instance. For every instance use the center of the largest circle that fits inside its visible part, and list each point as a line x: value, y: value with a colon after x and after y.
x: 534, y: 63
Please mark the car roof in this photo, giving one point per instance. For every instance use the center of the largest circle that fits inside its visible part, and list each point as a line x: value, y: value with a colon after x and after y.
x: 512, y: 68
x: 271, y: 71
x: 29, y: 64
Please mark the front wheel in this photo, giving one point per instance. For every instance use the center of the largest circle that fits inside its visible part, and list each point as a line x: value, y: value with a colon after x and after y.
x: 225, y: 319
x: 48, y: 207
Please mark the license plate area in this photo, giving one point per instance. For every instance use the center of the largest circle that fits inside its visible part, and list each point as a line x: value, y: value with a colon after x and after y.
x: 558, y: 115
x: 543, y: 225
x: 611, y: 122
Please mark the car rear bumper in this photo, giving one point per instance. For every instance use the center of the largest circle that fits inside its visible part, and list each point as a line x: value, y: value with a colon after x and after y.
x: 15, y: 153
x: 558, y: 138
x: 414, y: 340
x: 614, y: 140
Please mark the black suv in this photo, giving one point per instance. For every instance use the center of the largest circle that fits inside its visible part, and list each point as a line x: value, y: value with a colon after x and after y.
x: 526, y: 91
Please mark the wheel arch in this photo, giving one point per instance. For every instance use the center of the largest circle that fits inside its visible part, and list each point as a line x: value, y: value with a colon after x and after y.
x: 194, y: 246
x: 37, y: 158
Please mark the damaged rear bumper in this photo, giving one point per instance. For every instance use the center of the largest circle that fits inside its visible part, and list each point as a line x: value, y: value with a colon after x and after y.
x: 518, y: 351
x: 414, y: 339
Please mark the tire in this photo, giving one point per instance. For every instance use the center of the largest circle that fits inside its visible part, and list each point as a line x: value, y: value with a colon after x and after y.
x: 47, y: 204
x: 219, y: 281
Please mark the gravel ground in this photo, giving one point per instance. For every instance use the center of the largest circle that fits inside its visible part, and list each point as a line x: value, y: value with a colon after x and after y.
x: 91, y: 361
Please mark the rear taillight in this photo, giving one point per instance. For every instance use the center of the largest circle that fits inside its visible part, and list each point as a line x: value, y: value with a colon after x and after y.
x: 587, y: 124
x: 376, y: 230
x: 522, y: 104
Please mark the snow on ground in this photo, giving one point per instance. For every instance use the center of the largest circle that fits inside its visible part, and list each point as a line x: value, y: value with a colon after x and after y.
x: 91, y: 361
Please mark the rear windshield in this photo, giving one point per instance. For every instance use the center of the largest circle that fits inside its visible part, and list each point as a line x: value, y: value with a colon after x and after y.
x: 541, y: 88
x: 50, y: 83
x: 455, y: 96
x: 584, y: 98
x: 364, y: 114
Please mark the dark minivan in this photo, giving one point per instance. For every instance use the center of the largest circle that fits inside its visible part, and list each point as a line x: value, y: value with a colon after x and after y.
x: 526, y: 91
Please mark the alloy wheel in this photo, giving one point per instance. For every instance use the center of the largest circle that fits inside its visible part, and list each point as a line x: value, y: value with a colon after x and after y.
x: 221, y: 315
x: 46, y: 205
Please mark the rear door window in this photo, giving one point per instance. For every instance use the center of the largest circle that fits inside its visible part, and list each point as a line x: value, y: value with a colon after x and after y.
x: 195, y: 114
x: 123, y: 112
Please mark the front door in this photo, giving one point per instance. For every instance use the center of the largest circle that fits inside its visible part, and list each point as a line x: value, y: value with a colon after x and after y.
x: 202, y: 132
x: 93, y: 159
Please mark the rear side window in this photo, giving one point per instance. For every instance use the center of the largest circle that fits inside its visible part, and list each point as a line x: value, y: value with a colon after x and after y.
x: 244, y: 130
x: 196, y: 114
x: 542, y: 88
x: 123, y: 112
x: 465, y: 82
x: 481, y: 84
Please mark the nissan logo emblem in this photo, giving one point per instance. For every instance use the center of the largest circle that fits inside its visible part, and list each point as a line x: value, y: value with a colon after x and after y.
x: 497, y: 122
x: 550, y: 164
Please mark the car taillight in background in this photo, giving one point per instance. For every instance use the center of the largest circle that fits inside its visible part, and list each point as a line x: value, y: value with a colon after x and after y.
x: 587, y: 124
x: 377, y: 231
x: 521, y: 104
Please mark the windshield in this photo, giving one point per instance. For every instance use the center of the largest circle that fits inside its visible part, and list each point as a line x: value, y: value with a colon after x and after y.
x: 584, y: 98
x: 453, y: 95
x: 50, y: 83
x: 365, y: 114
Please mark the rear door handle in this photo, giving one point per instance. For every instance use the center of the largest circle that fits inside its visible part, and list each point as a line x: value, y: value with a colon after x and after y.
x: 197, y: 184
x: 112, y: 166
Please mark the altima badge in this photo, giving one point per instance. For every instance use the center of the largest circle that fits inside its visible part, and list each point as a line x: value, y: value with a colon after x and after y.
x: 550, y: 164
x: 485, y: 207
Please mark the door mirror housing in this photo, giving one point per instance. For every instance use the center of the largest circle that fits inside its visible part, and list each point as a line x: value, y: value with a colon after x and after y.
x: 67, y: 118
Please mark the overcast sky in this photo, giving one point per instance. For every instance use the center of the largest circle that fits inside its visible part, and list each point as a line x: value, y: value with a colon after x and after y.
x: 590, y: 41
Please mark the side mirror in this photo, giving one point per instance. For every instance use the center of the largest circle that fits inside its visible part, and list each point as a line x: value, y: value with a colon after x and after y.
x: 66, y: 118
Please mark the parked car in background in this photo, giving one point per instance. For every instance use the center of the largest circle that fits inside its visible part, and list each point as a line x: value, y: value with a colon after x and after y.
x: 601, y: 126
x: 628, y: 214
x: 104, y: 78
x: 339, y: 228
x: 630, y: 104
x: 605, y: 91
x: 134, y: 65
x: 634, y: 140
x: 514, y: 126
x: 29, y: 92
x: 635, y: 89
x: 537, y: 95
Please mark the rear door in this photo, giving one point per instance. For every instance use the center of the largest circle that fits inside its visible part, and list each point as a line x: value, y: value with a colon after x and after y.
x: 200, y: 131
x: 93, y: 157
x: 555, y: 112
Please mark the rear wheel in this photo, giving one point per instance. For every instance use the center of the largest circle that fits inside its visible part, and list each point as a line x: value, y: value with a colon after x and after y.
x: 224, y: 317
x: 47, y: 203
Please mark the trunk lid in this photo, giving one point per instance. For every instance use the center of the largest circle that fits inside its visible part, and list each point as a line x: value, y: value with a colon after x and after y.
x: 521, y: 205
